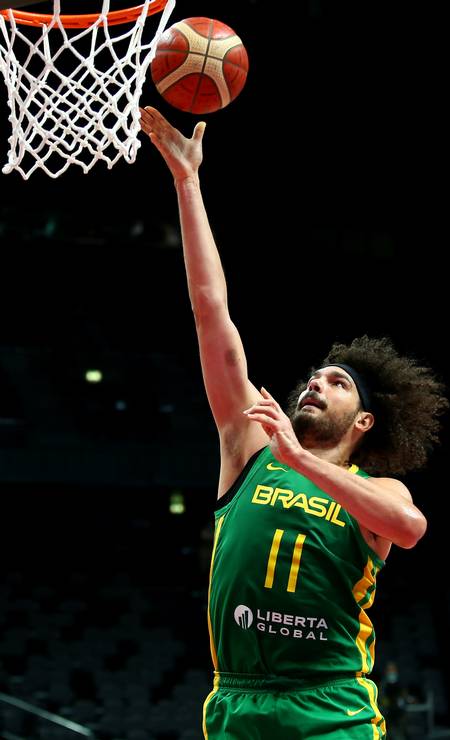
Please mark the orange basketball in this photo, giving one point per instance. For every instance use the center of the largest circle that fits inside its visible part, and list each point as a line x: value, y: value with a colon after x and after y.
x: 200, y: 65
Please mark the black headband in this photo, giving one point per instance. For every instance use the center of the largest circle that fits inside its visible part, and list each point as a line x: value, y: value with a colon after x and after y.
x: 361, y: 385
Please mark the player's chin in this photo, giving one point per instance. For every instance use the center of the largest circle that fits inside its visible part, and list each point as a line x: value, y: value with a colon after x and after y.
x: 304, y: 420
x: 309, y: 409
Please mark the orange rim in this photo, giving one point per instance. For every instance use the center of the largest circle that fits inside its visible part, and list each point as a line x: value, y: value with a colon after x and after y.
x: 83, y: 21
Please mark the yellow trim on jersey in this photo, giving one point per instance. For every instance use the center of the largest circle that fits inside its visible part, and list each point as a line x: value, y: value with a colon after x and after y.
x: 211, y: 637
x: 353, y: 468
x: 298, y: 549
x: 378, y: 723
x: 268, y: 583
x: 365, y: 599
x: 205, y: 703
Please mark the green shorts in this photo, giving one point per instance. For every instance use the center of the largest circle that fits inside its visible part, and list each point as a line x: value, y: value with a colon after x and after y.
x: 268, y: 708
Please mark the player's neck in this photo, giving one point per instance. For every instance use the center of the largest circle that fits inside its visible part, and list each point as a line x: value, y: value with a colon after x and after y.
x: 338, y: 455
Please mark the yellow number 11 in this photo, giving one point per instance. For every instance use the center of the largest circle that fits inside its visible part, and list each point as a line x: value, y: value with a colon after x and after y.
x: 295, y: 564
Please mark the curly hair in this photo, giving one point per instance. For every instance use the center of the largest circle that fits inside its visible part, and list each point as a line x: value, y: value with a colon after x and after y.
x: 408, y: 400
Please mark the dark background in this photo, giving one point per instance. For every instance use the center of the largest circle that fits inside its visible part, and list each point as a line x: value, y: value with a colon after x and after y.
x: 323, y: 183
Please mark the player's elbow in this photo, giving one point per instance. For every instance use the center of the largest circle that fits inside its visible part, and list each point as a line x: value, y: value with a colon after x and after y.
x: 207, y: 303
x: 414, y: 530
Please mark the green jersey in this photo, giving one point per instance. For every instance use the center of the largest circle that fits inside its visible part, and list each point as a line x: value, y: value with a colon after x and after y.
x: 291, y: 579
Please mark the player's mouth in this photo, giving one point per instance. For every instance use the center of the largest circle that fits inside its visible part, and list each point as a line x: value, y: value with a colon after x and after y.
x: 312, y: 399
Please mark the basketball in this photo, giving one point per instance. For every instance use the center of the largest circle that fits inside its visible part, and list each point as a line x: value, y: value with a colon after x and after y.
x: 200, y: 65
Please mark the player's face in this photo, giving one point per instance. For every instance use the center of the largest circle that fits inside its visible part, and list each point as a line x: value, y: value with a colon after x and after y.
x: 327, y: 408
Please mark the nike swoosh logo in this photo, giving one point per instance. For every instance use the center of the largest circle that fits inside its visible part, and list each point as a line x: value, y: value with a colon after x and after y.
x: 352, y: 712
x: 271, y: 466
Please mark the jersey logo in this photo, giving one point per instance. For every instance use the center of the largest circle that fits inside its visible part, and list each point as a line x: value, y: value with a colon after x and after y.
x: 352, y: 712
x: 271, y: 466
x: 243, y: 616
x: 314, y: 505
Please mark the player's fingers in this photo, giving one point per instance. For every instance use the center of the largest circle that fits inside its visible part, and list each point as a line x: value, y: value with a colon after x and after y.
x: 154, y: 113
x: 265, y: 393
x: 267, y: 396
x: 262, y: 406
x: 146, y: 113
x: 149, y: 121
x: 267, y: 403
x: 158, y: 121
x: 145, y: 121
x: 199, y: 131
x: 269, y: 407
x: 264, y: 419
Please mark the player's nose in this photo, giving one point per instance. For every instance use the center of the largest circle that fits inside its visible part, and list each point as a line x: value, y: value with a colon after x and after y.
x: 315, y: 384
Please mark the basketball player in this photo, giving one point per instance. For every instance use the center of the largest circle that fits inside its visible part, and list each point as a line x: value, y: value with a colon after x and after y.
x: 301, y: 530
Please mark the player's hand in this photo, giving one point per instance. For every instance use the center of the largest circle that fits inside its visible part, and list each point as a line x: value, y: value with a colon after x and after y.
x: 283, y: 442
x: 183, y: 156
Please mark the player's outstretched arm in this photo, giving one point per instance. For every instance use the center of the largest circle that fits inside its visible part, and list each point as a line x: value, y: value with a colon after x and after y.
x: 222, y: 355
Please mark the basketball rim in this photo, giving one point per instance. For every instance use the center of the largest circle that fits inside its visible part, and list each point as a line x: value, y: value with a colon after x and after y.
x: 114, y: 18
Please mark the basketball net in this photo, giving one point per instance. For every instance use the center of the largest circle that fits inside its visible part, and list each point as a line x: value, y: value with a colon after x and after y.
x: 76, y: 101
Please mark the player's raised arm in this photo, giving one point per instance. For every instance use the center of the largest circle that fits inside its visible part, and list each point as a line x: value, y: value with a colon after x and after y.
x: 222, y: 355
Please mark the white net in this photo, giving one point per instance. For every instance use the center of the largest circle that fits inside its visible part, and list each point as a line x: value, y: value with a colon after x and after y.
x: 74, y: 95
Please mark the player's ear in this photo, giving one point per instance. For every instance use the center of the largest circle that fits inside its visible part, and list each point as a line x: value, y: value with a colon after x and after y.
x: 365, y: 421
